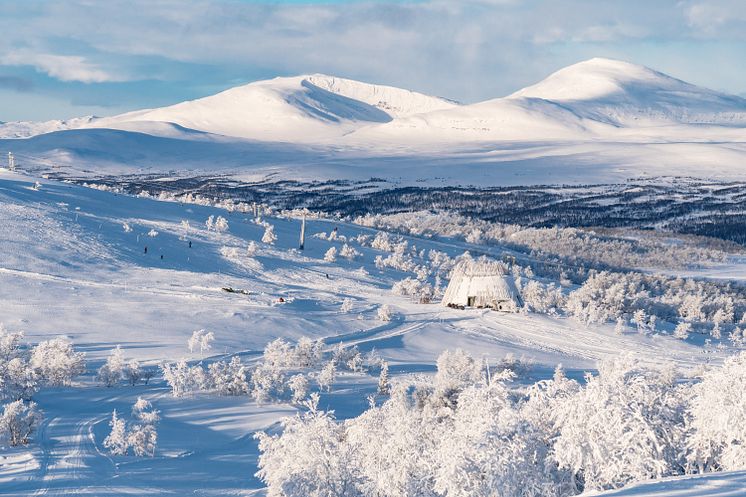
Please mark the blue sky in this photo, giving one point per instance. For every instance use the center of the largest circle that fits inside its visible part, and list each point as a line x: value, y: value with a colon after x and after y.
x: 69, y: 58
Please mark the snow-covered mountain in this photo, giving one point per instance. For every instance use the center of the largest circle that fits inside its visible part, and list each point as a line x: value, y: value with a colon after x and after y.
x: 296, y: 109
x: 598, y: 120
x: 625, y: 94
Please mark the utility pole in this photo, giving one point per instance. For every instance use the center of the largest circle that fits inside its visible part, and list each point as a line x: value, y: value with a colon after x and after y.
x: 303, y: 231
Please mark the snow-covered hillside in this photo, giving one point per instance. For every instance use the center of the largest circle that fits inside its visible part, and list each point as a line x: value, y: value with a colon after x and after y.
x: 597, y: 121
x: 75, y: 263
x: 298, y: 109
x: 624, y: 94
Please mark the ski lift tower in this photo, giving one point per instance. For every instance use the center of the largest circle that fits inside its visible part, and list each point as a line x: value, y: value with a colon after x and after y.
x: 11, y: 162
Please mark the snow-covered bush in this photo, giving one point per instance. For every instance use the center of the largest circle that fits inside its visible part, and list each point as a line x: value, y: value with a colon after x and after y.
x: 349, y: 252
x: 331, y: 255
x: 384, y: 384
x: 310, y: 459
x: 384, y: 313
x: 200, y: 340
x: 18, y: 421
x: 346, y: 306
x: 267, y: 383
x: 111, y: 372
x: 252, y: 248
x: 132, y: 372
x: 717, y: 418
x: 269, y: 236
x: 419, y: 291
x: 141, y: 436
x: 56, y: 362
x: 625, y: 425
x: 229, y: 378
x: 183, y: 379
x: 116, y: 441
x: 326, y: 376
x: 221, y: 224
x: 298, y: 385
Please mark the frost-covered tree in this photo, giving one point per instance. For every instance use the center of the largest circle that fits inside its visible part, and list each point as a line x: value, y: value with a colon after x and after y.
x: 132, y: 372
x: 384, y: 384
x: 142, y: 436
x: 182, y: 378
x: 349, y: 252
x: 326, y: 376
x: 200, y: 340
x: 269, y: 236
x: 229, y: 378
x: 18, y: 422
x: 116, y: 442
x: 210, y: 223
x: 626, y: 425
x: 113, y: 369
x: 56, y: 362
x: 331, y: 255
x: 252, y: 248
x: 717, y: 418
x: 298, y: 385
x: 310, y: 459
x: 267, y: 383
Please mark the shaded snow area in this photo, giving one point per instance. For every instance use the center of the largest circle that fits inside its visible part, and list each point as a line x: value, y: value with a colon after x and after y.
x: 108, y: 270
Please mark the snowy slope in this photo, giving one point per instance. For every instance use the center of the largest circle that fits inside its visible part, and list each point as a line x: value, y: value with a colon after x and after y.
x: 296, y: 109
x: 25, y: 129
x: 730, y: 484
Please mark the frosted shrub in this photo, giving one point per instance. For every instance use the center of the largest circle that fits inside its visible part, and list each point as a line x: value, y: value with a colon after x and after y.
x: 298, y: 385
x: 626, y: 425
x: 269, y: 236
x: 682, y: 330
x: 419, y: 291
x: 384, y: 313
x: 56, y: 362
x: 111, y: 372
x: 18, y: 421
x: 132, y: 372
x: 116, y: 441
x: 310, y: 459
x: 152, y: 233
x: 267, y: 383
x: 200, y: 340
x: 717, y: 418
x: 221, y: 224
x: 349, y: 252
x: 346, y: 306
x: 325, y: 377
x: 384, y: 385
x: 229, y: 378
x: 331, y: 255
x: 252, y: 249
x: 182, y: 378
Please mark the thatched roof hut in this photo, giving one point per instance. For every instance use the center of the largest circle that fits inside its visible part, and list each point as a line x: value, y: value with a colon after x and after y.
x: 482, y: 284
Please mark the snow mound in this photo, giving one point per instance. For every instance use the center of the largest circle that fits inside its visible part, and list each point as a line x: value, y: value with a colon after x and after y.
x: 622, y: 93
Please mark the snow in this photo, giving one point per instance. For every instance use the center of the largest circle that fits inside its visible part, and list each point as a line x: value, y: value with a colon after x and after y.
x: 596, y: 121
x: 730, y: 484
x: 70, y: 268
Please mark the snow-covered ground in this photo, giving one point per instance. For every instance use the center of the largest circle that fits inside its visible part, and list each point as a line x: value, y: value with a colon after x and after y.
x: 69, y: 267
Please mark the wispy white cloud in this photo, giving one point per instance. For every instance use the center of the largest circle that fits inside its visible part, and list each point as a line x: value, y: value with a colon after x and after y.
x: 62, y: 67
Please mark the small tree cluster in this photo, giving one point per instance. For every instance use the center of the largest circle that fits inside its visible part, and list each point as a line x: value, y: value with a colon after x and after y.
x: 140, y: 436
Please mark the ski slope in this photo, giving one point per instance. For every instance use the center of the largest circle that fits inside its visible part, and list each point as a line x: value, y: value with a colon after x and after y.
x: 70, y: 268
